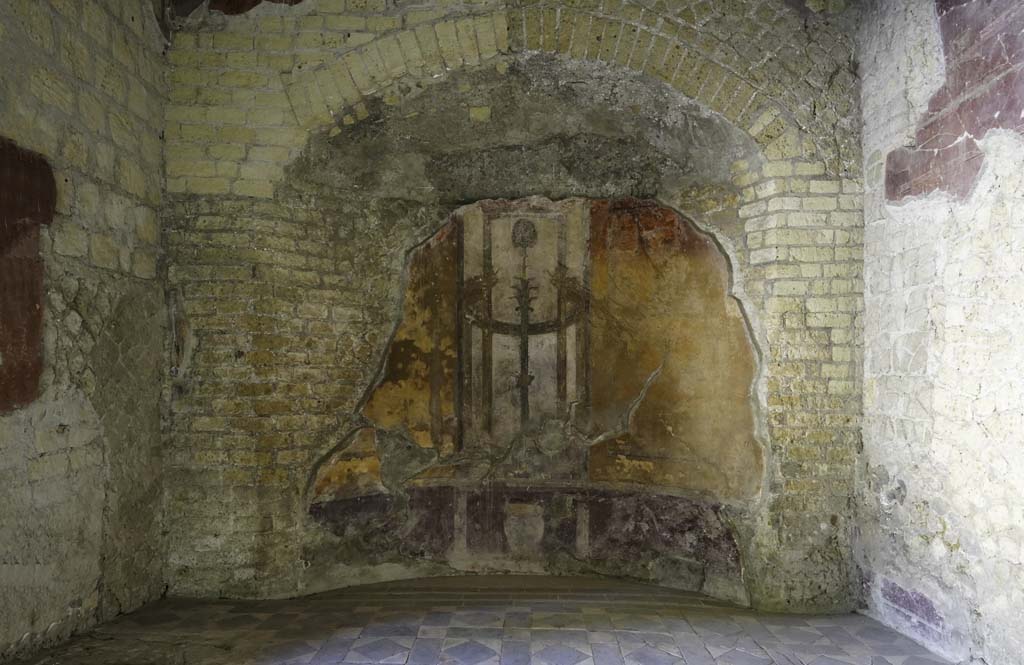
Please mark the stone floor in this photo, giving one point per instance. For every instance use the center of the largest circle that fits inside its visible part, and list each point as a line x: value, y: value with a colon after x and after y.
x: 485, y: 621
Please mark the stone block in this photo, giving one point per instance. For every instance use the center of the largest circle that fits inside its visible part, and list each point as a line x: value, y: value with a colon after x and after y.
x: 191, y: 167
x: 789, y: 288
x: 426, y: 38
x: 629, y: 36
x: 277, y: 155
x: 549, y: 30
x: 232, y: 41
x: 392, y: 56
x: 411, y: 49
x: 829, y: 320
x: 448, y: 44
x: 353, y: 63
x: 104, y: 251
x: 486, y: 40
x: 480, y: 113
x: 533, y: 28
x: 70, y: 240
x: 198, y: 185
x: 777, y: 169
x: 95, y: 22
x: 824, y: 187
x: 273, y: 42
x: 243, y: 79
x: 812, y: 254
x: 767, y: 255
x: 376, y: 68
x: 50, y: 90
x: 144, y: 264
x: 379, y: 23
x: 261, y: 170
x: 820, y: 203
x: 253, y: 188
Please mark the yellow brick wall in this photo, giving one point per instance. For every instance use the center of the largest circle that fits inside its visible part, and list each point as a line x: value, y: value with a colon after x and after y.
x: 83, y: 84
x: 250, y: 93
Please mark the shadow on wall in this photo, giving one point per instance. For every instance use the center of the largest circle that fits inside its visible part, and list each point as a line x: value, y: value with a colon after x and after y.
x: 568, y: 390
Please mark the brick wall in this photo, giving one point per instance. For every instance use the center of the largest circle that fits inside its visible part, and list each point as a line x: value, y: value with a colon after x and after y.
x: 82, y: 86
x: 264, y: 211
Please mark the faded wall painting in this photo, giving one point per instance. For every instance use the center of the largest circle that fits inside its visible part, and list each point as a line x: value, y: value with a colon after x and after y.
x: 562, y: 373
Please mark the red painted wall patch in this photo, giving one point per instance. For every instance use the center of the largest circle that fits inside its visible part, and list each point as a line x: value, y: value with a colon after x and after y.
x: 983, y: 44
x: 28, y: 195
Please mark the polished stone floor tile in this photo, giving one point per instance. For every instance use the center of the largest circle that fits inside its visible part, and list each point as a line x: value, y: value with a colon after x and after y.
x: 485, y: 621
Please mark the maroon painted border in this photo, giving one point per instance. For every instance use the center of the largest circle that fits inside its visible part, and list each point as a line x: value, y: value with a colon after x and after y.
x: 983, y: 44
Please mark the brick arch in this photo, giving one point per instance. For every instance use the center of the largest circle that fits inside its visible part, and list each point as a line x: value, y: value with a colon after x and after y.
x: 338, y: 92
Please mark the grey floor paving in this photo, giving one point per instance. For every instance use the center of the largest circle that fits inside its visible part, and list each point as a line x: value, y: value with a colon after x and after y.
x: 485, y: 620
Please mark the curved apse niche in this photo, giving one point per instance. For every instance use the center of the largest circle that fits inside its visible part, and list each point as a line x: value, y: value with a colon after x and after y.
x: 568, y: 391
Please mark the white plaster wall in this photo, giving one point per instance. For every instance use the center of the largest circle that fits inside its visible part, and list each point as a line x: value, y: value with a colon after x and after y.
x: 979, y: 402
x: 942, y: 472
x: 901, y: 67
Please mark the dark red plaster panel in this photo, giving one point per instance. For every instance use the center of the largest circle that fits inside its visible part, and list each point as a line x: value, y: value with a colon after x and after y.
x: 242, y: 6
x: 983, y: 41
x: 28, y: 195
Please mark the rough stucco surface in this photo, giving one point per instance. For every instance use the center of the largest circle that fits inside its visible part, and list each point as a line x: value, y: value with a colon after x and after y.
x: 310, y: 147
x: 82, y: 85
x: 940, y: 483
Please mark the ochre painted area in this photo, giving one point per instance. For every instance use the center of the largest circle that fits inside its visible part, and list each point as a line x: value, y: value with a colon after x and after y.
x: 352, y: 472
x: 416, y: 393
x: 660, y: 303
